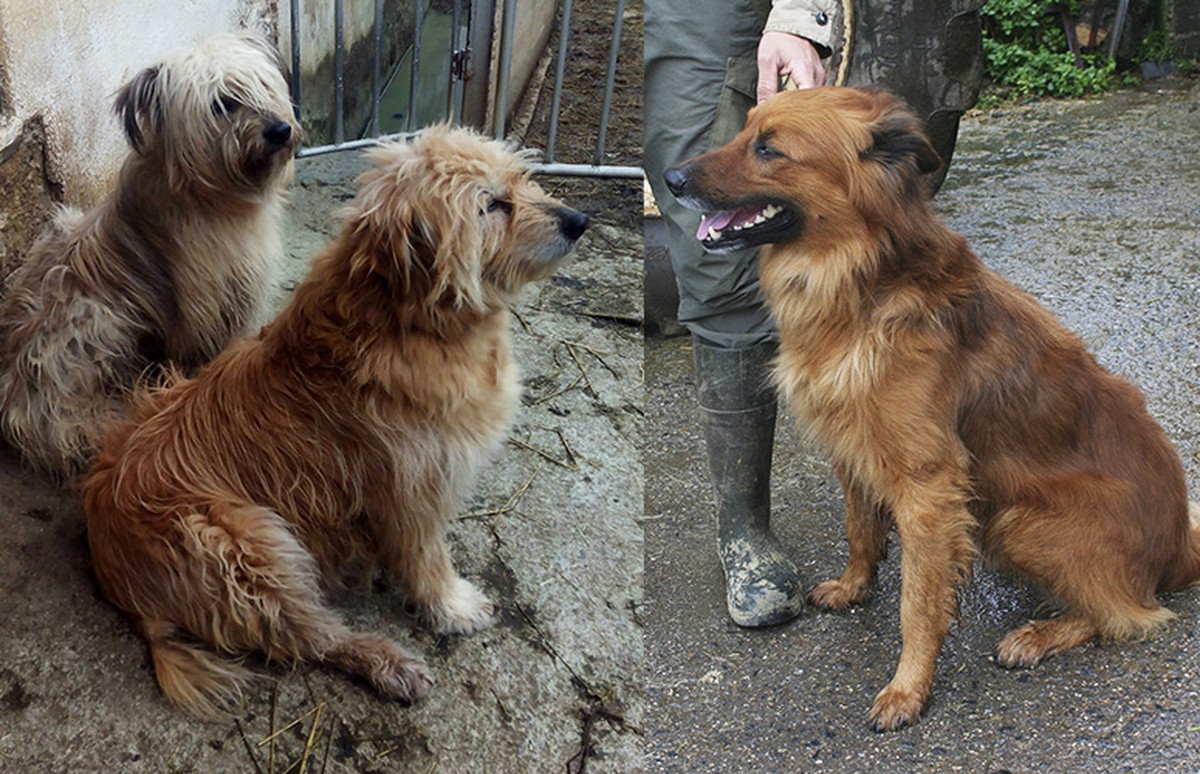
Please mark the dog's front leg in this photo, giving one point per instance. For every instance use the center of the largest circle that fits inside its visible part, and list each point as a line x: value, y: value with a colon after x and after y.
x: 867, y: 526
x: 420, y: 561
x: 936, y: 551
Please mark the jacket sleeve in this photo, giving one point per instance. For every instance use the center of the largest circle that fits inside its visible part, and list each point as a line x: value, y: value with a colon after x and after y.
x: 812, y: 19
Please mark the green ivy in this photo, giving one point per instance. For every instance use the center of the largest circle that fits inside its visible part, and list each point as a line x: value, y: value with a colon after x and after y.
x: 1026, y: 52
x: 1157, y: 46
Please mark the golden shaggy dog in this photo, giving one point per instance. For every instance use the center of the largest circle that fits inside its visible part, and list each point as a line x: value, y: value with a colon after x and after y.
x: 348, y: 432
x: 955, y: 408
x: 173, y: 264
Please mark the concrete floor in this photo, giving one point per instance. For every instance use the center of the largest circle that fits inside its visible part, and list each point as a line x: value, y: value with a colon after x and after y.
x: 1091, y: 206
x: 553, y: 536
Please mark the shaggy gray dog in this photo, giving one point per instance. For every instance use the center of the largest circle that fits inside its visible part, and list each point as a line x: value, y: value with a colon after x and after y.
x: 176, y: 261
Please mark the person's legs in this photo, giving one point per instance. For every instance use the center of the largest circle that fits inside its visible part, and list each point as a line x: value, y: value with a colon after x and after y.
x: 737, y: 410
x: 699, y: 82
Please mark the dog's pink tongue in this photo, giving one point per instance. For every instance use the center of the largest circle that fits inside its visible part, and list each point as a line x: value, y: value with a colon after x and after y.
x: 719, y: 220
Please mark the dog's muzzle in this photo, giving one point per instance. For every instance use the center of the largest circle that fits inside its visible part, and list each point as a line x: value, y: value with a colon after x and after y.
x: 278, y: 133
x: 677, y: 180
x: 572, y: 223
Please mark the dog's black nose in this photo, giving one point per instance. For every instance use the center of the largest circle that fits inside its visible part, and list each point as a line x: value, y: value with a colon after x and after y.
x: 676, y: 178
x: 278, y: 133
x: 572, y: 223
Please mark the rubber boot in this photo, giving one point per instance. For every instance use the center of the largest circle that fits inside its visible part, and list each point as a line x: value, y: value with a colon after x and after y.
x: 737, y: 409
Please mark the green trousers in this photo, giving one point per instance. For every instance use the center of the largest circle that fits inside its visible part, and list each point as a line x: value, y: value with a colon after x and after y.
x: 700, y: 75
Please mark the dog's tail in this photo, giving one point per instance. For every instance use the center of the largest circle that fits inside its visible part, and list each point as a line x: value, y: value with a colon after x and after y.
x: 194, y: 678
x: 1186, y: 571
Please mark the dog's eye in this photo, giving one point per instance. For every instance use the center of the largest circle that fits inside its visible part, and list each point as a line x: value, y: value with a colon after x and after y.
x: 766, y: 152
x: 225, y: 104
x: 495, y: 204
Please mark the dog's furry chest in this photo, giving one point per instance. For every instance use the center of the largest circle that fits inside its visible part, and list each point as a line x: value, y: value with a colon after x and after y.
x: 461, y: 397
x: 223, y: 287
x: 444, y: 433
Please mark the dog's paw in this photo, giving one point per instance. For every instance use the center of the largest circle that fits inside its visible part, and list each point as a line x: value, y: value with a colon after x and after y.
x: 395, y: 673
x: 1023, y: 647
x: 835, y: 594
x: 462, y: 610
x: 402, y: 680
x: 895, y: 708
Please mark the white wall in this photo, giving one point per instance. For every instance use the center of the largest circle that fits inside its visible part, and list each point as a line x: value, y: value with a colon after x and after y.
x: 65, y: 59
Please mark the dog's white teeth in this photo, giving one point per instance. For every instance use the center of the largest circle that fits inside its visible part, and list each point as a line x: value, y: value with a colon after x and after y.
x: 713, y: 233
x: 771, y: 211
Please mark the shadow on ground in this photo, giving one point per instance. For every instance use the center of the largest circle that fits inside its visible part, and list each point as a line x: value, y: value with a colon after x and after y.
x: 1091, y: 206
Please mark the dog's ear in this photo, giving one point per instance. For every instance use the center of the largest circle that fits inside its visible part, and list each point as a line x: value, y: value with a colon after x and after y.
x: 138, y: 105
x: 898, y: 140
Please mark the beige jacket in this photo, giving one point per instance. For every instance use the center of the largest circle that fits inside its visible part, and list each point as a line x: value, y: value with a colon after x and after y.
x: 813, y: 19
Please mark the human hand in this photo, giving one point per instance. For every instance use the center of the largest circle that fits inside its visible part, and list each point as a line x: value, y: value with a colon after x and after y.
x: 779, y: 54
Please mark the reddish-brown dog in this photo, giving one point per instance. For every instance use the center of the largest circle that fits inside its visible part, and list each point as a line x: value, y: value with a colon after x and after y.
x: 348, y: 432
x: 955, y: 408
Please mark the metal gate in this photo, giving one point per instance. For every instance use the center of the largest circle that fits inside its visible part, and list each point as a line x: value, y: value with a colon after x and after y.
x: 463, y: 59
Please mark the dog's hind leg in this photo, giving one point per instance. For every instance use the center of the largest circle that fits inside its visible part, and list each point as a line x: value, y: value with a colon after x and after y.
x: 283, y: 577
x: 68, y: 357
x: 1027, y: 645
x: 867, y: 527
x: 1068, y: 546
x: 251, y: 585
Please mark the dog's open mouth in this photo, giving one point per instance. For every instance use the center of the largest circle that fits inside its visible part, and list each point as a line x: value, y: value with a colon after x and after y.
x: 747, y: 226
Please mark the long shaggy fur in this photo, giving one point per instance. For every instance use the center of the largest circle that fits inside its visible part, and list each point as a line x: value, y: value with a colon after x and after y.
x: 175, y: 262
x: 955, y: 407
x: 348, y: 432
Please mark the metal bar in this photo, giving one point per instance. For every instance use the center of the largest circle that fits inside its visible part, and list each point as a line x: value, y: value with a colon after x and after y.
x: 560, y: 67
x: 339, y: 68
x: 415, y: 73
x: 1122, y: 9
x: 377, y: 73
x: 454, y: 87
x: 476, y: 94
x: 613, y: 50
x: 587, y: 170
x: 508, y: 26
x: 550, y: 170
x: 366, y: 142
x: 295, y: 23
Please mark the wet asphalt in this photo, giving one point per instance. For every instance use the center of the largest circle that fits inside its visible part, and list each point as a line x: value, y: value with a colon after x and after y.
x: 1094, y: 208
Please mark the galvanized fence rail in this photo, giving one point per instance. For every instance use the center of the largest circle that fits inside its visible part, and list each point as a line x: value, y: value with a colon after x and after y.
x: 468, y: 77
